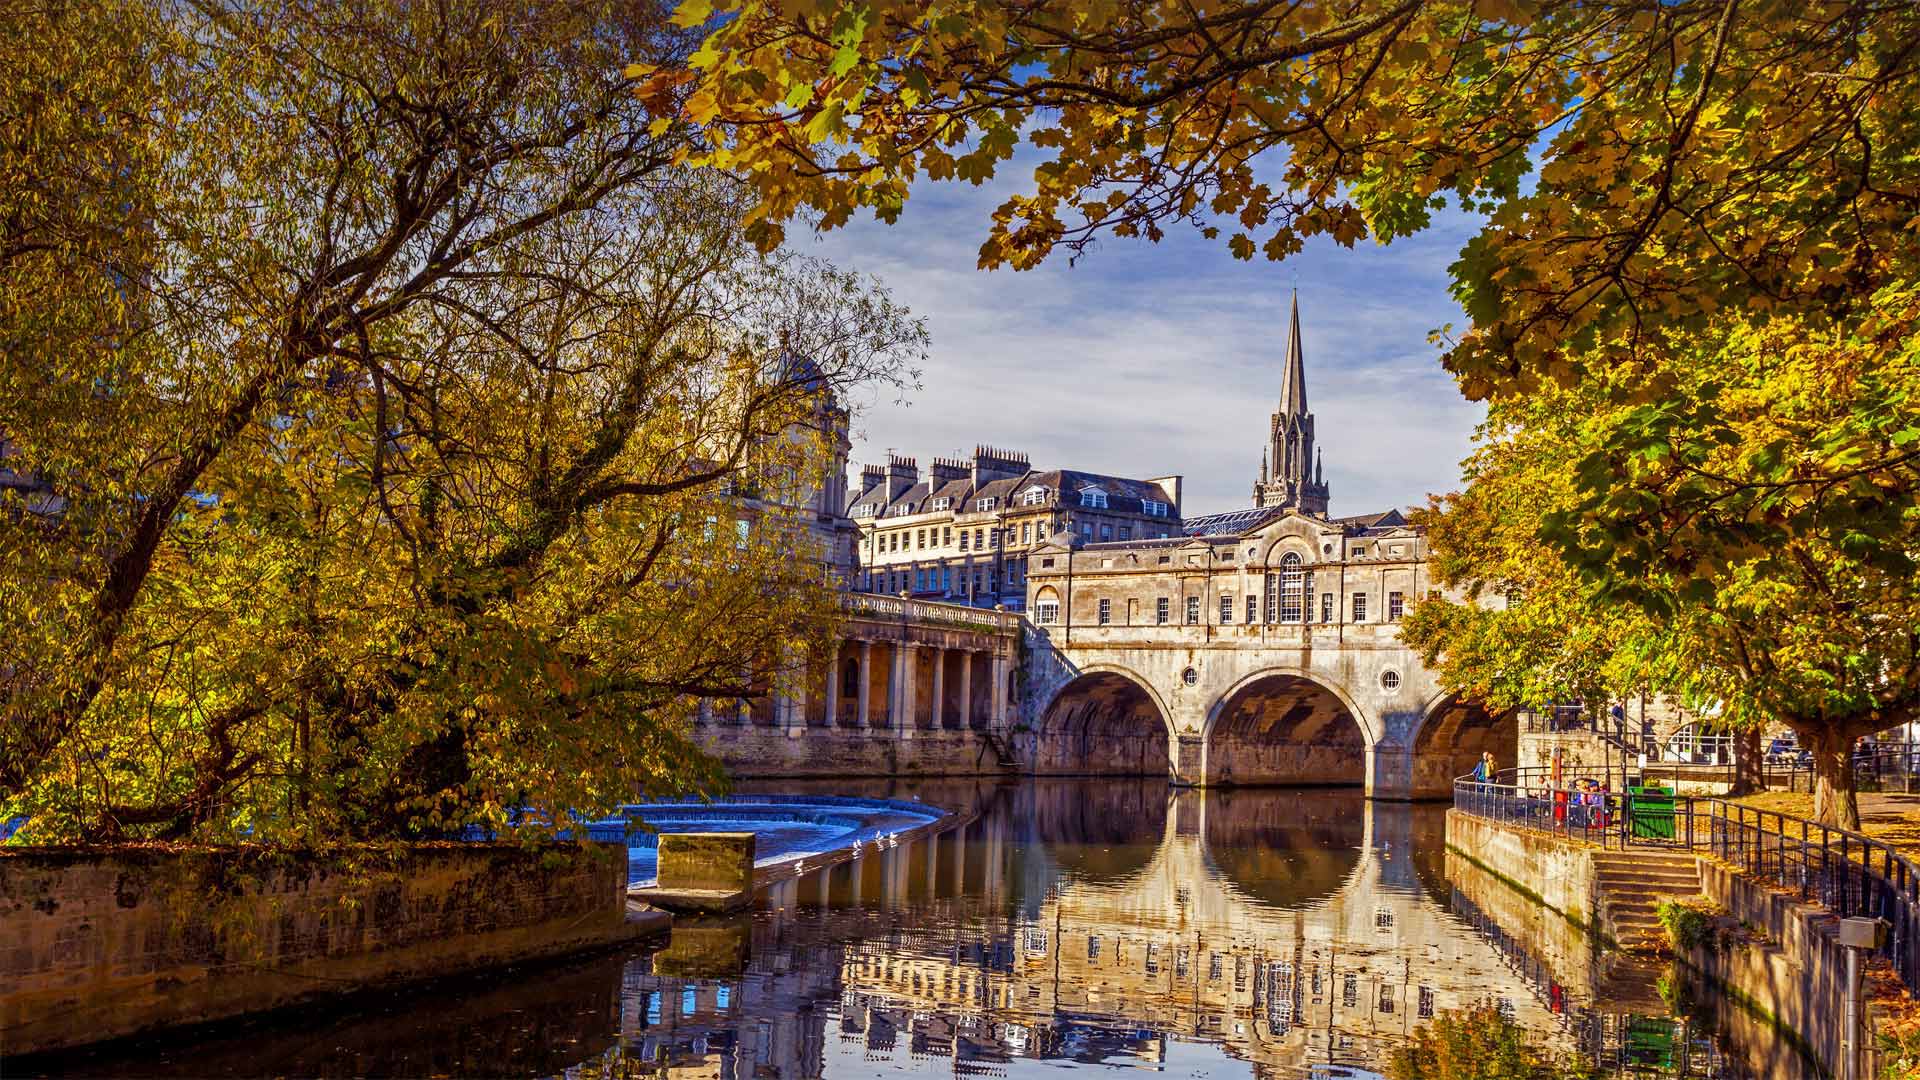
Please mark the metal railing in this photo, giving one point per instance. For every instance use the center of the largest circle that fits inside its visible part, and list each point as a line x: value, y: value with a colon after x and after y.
x: 1848, y: 873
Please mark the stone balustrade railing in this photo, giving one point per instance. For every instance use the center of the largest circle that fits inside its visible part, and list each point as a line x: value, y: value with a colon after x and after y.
x: 928, y: 612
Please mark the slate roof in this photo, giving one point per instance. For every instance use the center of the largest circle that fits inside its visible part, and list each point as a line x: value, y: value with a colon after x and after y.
x: 1386, y: 519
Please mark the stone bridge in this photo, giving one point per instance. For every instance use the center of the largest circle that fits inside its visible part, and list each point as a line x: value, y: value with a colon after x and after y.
x: 1271, y: 656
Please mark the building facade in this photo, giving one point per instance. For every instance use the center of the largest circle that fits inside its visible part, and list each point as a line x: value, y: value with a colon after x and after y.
x: 962, y: 534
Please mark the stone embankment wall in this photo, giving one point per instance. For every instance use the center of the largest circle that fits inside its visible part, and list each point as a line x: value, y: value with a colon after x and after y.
x: 750, y: 752
x: 101, y: 943
x: 1785, y: 994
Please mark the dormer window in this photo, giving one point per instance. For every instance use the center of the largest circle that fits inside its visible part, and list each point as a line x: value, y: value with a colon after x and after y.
x: 1151, y: 507
x: 943, y: 503
x: 1094, y: 497
x: 986, y: 504
x: 1033, y: 496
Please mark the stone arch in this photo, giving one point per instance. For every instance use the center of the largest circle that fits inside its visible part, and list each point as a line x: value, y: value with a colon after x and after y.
x: 1452, y: 734
x: 1104, y: 721
x: 1287, y: 726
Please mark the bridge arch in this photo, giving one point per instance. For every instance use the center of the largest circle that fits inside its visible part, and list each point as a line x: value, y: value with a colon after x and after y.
x: 1105, y: 721
x: 1452, y: 734
x: 1285, y: 725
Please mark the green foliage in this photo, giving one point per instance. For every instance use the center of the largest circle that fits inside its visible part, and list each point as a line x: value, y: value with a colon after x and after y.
x: 1479, y: 1043
x: 401, y: 436
x: 1688, y: 926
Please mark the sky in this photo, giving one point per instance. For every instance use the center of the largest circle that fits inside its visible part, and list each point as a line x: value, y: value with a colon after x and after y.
x: 1146, y: 360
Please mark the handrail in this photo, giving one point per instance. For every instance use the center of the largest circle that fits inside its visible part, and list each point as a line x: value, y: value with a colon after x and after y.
x: 1847, y: 871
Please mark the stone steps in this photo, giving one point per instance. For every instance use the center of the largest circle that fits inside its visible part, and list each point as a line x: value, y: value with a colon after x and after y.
x: 1632, y: 885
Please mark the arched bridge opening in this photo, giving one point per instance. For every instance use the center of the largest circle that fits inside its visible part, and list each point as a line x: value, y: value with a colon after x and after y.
x: 1452, y: 737
x: 1285, y: 730
x: 1102, y: 724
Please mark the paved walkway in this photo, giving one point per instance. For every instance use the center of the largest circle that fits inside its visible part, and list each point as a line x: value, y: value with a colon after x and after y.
x: 1889, y: 817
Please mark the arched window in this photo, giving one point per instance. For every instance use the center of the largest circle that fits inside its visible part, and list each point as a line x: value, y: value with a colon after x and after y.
x: 1287, y: 590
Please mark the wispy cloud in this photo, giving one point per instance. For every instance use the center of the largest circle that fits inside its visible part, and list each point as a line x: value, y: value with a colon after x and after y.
x: 1148, y: 359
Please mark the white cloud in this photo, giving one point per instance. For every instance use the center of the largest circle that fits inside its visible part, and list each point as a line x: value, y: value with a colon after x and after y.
x: 1146, y: 359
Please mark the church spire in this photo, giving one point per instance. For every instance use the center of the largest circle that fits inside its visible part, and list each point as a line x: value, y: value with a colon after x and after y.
x: 1293, y: 380
x: 1290, y: 470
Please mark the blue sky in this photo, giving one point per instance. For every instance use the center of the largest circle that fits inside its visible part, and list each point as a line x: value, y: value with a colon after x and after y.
x: 1149, y: 359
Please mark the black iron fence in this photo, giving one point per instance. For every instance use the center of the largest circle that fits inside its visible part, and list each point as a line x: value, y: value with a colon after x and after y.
x: 1846, y: 872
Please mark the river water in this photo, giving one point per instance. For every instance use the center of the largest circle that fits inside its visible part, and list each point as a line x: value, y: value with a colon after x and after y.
x: 1089, y: 926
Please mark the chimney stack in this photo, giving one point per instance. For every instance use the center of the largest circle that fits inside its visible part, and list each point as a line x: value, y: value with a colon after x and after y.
x: 990, y: 464
x: 902, y: 474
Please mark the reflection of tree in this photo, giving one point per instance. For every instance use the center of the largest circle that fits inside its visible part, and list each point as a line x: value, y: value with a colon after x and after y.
x: 1479, y: 1043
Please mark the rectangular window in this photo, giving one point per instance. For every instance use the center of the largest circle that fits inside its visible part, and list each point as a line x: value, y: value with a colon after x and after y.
x: 1253, y: 609
x: 943, y: 503
x: 980, y: 539
x: 919, y: 580
x: 1106, y: 532
x: 1126, y: 532
x: 1326, y: 607
x: 1153, y: 508
x: 987, y: 504
x: 1359, y: 607
x: 1386, y: 997
x: 1426, y: 1003
x: 1047, y: 611
x: 1086, y: 529
x: 1106, y: 612
x: 1193, y: 611
x: 1026, y: 531
x: 963, y: 539
x: 920, y: 538
x: 1396, y: 606
x: 994, y: 538
x: 946, y: 579
x: 1093, y: 947
x: 1160, y: 610
x: 948, y: 534
x: 1093, y: 498
x: 1350, y: 990
x: 1226, y: 609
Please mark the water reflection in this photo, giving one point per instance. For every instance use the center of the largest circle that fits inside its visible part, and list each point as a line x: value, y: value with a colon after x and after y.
x: 1278, y: 933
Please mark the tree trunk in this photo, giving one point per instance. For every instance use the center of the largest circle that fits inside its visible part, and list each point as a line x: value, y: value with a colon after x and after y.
x: 1747, y: 775
x: 1834, y: 802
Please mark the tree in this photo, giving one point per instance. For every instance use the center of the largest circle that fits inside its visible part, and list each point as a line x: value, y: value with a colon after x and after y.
x: 445, y: 443
x: 1746, y: 542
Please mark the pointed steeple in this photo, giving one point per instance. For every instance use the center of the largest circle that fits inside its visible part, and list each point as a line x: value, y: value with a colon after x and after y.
x: 1293, y: 381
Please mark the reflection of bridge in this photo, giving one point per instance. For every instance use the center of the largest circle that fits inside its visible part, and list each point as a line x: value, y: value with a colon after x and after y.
x: 1287, y: 932
x: 1269, y: 655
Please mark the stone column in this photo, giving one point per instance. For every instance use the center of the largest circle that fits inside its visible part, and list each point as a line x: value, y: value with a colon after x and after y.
x: 833, y: 684
x: 863, y: 690
x: 939, y: 684
x: 793, y: 699
x: 826, y: 888
x: 966, y: 690
x: 903, y: 718
x: 997, y: 719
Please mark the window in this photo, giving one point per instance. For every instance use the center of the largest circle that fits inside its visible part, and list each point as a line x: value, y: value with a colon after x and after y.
x: 1193, y: 611
x: 1350, y: 990
x: 1106, y: 532
x: 919, y: 580
x: 1226, y: 609
x: 1126, y: 532
x: 1094, y: 497
x: 920, y: 538
x: 1106, y: 612
x: 741, y: 528
x: 1039, y: 530
x: 963, y: 539
x: 988, y: 503
x: 993, y: 538
x: 1359, y: 551
x: 1190, y: 676
x: 1287, y: 590
x: 1426, y: 1003
x: 1389, y: 680
x: 1253, y: 609
x: 1359, y: 607
x: 948, y: 534
x: 1046, y: 564
x: 1160, y: 610
x: 946, y: 579
x: 1227, y: 555
x: 1151, y: 507
x: 1047, y: 611
x: 1093, y: 947
x: 1326, y: 607
x: 1033, y: 496
x: 979, y: 539
x: 1086, y: 530
x: 1396, y: 606
x: 1026, y: 531
x: 943, y: 503
x: 1386, y: 997
x: 1013, y: 573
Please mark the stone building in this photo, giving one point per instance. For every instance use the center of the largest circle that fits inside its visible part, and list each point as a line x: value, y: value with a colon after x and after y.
x: 961, y: 534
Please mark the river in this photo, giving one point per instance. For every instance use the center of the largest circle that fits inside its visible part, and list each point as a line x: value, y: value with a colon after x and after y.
x: 1086, y: 925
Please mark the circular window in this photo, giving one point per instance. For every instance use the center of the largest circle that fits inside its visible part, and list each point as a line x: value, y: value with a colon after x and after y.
x: 1390, y: 680
x: 1190, y: 677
